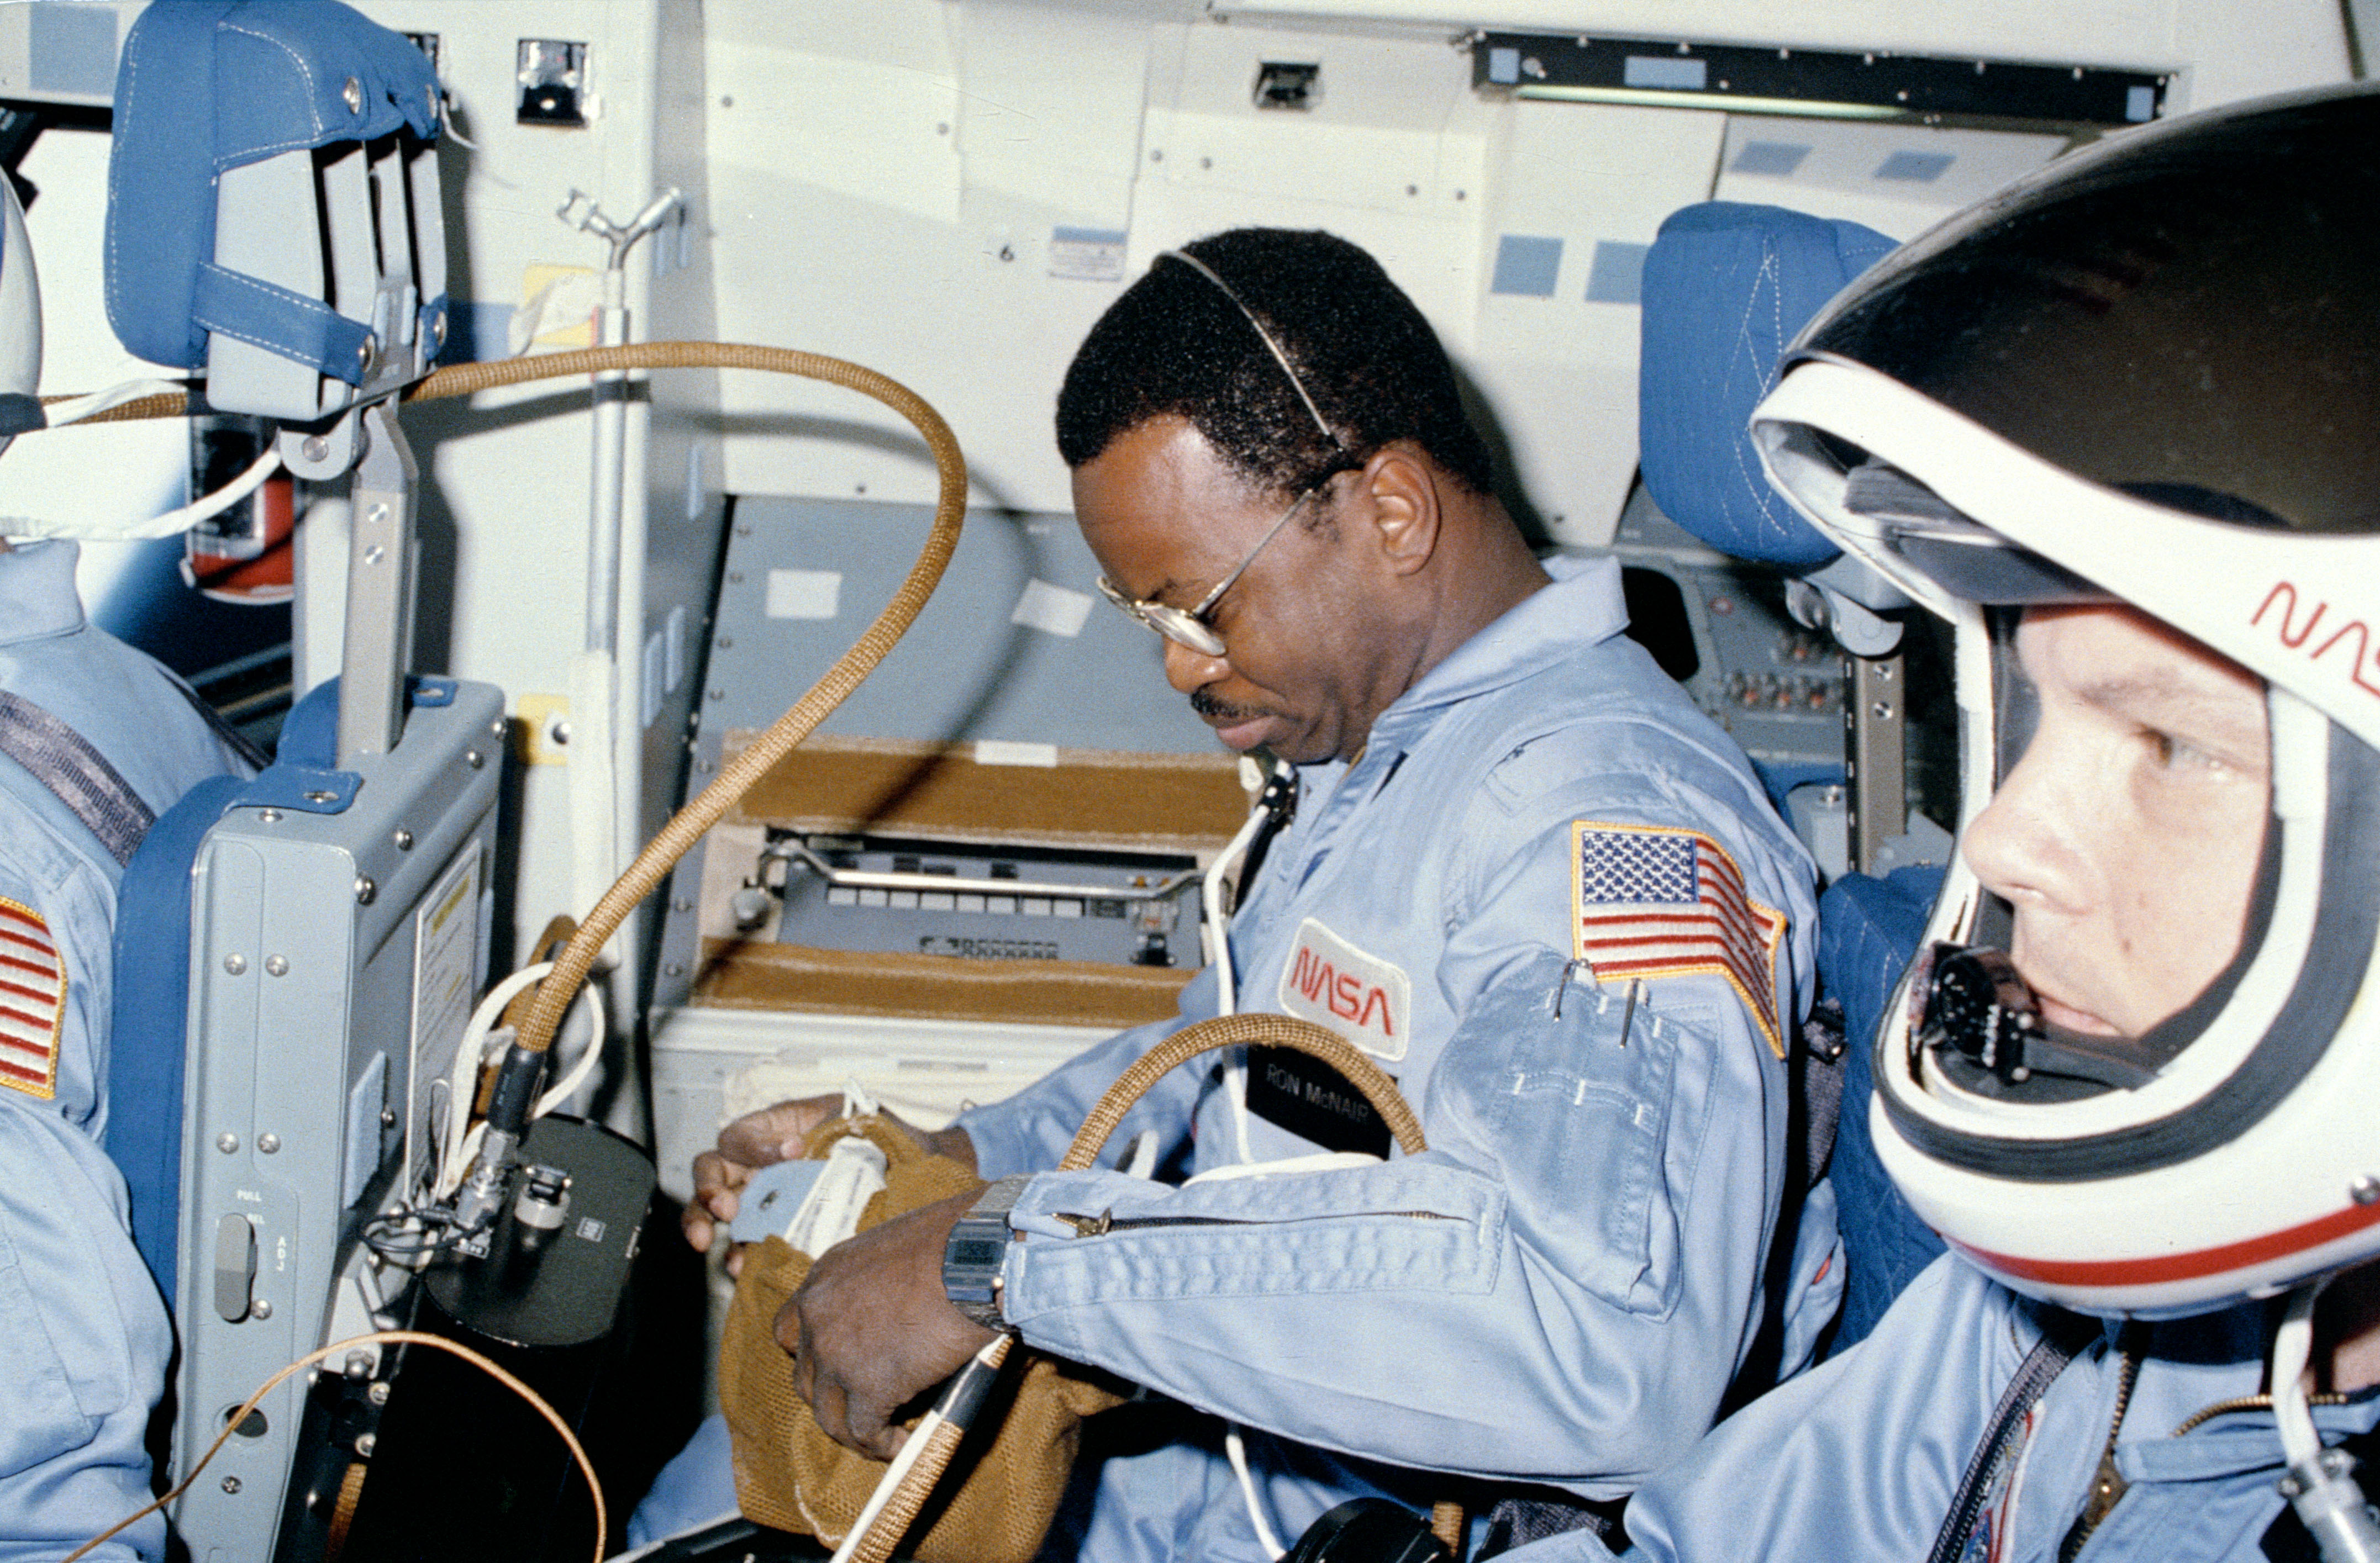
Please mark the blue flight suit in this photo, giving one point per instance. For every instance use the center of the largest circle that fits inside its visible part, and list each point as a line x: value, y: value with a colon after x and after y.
x: 1860, y: 1459
x: 88, y: 1337
x: 1561, y: 1288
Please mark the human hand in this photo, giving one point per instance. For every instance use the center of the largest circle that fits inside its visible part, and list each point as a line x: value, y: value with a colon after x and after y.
x: 769, y: 1136
x: 871, y: 1330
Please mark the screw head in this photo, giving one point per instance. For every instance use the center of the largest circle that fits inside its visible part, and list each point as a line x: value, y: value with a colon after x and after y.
x: 378, y: 1393
x: 315, y: 448
x: 364, y: 351
x: 276, y: 966
x: 388, y: 1118
x: 262, y: 1308
x: 357, y: 1364
x: 321, y: 796
x: 268, y: 1143
x: 673, y: 969
x: 2364, y: 1190
x: 403, y: 840
x: 235, y: 963
x: 365, y: 1444
x: 473, y: 759
x: 231, y: 1484
x: 228, y: 1144
x: 270, y: 815
x: 352, y: 94
x: 365, y: 891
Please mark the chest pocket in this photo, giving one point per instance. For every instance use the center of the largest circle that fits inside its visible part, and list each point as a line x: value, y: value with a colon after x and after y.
x: 1579, y: 1100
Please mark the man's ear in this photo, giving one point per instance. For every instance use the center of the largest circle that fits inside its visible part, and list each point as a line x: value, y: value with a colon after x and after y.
x: 1402, y: 508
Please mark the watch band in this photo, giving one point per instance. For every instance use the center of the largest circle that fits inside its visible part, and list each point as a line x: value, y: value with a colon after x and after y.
x: 976, y: 1249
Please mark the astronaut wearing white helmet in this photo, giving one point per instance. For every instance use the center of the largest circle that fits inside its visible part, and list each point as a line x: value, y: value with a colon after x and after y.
x: 2120, y: 426
x: 96, y: 741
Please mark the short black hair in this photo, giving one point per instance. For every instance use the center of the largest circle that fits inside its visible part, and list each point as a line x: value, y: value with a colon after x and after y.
x: 1176, y: 344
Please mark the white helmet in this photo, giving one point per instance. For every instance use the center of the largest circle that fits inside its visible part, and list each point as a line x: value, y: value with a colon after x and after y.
x: 21, y: 322
x: 2149, y: 373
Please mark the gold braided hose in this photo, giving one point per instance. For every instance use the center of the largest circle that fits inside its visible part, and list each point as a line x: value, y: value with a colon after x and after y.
x: 645, y: 875
x: 1208, y: 1036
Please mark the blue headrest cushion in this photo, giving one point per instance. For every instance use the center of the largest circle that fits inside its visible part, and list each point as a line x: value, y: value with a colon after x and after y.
x: 1727, y: 288
x: 204, y: 86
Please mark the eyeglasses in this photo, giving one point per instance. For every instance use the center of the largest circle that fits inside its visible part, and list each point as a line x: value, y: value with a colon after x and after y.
x: 1188, y: 627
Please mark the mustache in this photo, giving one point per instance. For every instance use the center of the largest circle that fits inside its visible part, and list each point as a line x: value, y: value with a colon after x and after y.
x: 1213, y: 709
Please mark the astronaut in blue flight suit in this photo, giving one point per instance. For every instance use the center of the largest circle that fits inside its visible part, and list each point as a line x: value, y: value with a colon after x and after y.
x: 1523, y: 873
x: 2118, y: 426
x: 86, y: 1335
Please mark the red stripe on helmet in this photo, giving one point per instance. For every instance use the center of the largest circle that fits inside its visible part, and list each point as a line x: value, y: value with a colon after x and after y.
x: 2198, y: 1263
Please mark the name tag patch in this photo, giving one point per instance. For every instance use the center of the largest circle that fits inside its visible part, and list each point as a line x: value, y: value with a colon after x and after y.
x: 1364, y: 999
x: 1313, y: 1101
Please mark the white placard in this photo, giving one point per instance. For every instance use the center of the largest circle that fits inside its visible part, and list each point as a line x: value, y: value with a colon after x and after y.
x: 1000, y: 751
x: 805, y: 594
x: 1052, y: 609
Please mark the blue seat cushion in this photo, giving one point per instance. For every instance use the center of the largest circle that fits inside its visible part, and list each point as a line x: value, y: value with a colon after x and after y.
x: 205, y: 86
x: 1727, y: 288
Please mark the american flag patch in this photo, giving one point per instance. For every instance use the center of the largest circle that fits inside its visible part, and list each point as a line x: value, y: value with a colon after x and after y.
x: 1655, y: 901
x: 32, y: 1001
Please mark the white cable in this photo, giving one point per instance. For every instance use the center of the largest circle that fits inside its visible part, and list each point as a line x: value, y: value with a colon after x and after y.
x: 1216, y: 927
x: 57, y: 415
x: 584, y: 1065
x: 171, y: 524
x: 479, y: 1033
x: 2292, y: 1348
x: 1236, y: 1446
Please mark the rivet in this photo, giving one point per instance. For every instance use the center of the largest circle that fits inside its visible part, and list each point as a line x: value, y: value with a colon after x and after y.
x: 262, y: 1308
x: 270, y: 815
x: 388, y: 1118
x: 2365, y: 1190
x: 438, y: 328
x: 404, y: 839
x: 718, y: 694
x: 681, y: 905
x: 727, y: 643
x: 235, y: 963
x: 374, y: 554
x: 231, y: 1484
x: 365, y: 1444
x: 496, y: 728
x: 268, y: 1143
x: 378, y: 1393
x: 673, y: 969
x: 319, y: 796
x: 315, y: 448
x: 353, y: 94
x: 377, y: 515
x: 473, y: 759
x: 357, y: 1363
x: 364, y: 351
x: 365, y: 891
x: 228, y: 1144
x: 276, y: 966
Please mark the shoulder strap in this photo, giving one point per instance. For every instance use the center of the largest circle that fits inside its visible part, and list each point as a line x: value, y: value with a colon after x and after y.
x: 2062, y: 1335
x: 231, y: 737
x: 76, y: 774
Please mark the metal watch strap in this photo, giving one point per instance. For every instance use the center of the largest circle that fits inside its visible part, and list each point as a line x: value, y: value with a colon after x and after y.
x: 976, y: 1250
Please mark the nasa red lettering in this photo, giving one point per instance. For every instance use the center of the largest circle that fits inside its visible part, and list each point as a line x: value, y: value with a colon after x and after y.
x: 2296, y: 636
x: 32, y: 1002
x: 1361, y: 996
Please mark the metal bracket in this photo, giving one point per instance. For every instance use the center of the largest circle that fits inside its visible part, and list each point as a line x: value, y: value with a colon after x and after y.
x: 379, y: 591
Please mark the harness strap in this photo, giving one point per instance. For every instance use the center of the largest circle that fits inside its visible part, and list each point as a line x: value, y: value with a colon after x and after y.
x: 2062, y: 1336
x: 76, y: 774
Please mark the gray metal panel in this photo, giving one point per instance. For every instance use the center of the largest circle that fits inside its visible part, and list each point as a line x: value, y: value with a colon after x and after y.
x: 967, y: 669
x: 301, y: 988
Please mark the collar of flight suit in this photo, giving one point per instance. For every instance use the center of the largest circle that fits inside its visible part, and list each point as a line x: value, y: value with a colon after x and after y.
x: 38, y: 600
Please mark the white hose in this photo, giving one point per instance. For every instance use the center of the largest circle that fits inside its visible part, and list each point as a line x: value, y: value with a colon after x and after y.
x: 2292, y: 1348
x: 172, y: 524
x: 461, y: 1135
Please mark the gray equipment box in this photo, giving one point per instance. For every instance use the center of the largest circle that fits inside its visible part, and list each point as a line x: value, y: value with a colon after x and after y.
x: 338, y: 944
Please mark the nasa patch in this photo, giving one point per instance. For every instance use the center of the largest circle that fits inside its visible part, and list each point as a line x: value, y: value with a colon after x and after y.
x: 1364, y: 999
x: 32, y: 1002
